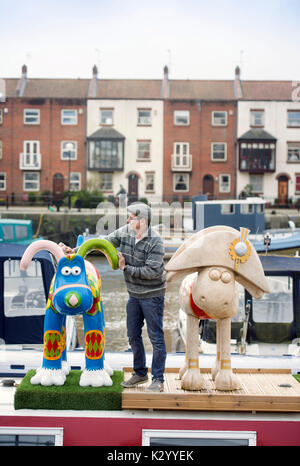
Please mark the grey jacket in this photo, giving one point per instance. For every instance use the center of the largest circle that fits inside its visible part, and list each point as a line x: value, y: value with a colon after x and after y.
x: 144, y: 273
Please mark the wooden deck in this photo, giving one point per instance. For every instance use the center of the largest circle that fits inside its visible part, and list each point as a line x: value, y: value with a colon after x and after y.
x: 268, y: 390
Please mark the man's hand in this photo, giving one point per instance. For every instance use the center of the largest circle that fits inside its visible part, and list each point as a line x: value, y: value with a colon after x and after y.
x: 121, y: 261
x: 66, y: 249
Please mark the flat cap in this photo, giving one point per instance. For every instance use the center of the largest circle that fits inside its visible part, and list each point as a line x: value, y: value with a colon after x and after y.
x: 140, y: 209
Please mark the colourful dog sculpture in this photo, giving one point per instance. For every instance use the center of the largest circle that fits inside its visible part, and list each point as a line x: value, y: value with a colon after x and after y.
x: 219, y: 257
x: 75, y: 289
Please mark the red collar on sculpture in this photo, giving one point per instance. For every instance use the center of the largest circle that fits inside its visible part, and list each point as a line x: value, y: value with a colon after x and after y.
x: 196, y: 309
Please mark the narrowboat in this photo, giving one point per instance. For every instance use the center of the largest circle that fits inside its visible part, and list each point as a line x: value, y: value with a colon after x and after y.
x: 173, y: 418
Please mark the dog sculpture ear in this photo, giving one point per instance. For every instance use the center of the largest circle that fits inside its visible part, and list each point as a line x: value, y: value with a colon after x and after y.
x: 37, y: 246
x: 102, y: 245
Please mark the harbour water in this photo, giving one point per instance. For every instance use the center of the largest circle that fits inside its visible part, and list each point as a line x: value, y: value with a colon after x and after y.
x: 115, y: 296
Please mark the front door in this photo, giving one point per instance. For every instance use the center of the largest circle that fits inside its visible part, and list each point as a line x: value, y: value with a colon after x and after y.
x: 58, y: 187
x: 133, y: 187
x: 283, y: 190
x: 208, y: 186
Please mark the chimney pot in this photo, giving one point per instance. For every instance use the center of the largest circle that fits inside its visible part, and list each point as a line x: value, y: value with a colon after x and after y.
x: 95, y: 70
x: 24, y: 70
x: 237, y: 71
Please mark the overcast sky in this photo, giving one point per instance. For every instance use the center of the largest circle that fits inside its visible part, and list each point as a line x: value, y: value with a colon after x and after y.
x: 198, y: 39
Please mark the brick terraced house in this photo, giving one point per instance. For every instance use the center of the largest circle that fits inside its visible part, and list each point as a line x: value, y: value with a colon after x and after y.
x: 161, y: 139
x: 42, y: 136
x: 199, y: 139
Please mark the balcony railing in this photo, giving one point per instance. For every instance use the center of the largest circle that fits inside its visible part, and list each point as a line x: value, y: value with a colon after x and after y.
x: 30, y: 161
x: 182, y: 163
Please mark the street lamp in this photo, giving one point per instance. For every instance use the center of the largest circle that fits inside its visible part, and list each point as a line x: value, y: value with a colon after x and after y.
x: 69, y: 147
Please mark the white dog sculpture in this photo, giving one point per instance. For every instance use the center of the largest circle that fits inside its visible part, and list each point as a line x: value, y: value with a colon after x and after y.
x: 215, y: 259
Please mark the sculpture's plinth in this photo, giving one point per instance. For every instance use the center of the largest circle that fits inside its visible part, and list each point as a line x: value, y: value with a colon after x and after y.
x: 70, y: 395
x: 266, y: 390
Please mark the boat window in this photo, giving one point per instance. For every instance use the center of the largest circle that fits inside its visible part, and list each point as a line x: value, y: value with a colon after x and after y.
x: 8, y: 232
x: 197, y: 438
x: 247, y: 208
x: 24, y: 293
x: 227, y: 208
x: 260, y: 208
x: 33, y: 436
x: 276, y: 306
x: 21, y: 232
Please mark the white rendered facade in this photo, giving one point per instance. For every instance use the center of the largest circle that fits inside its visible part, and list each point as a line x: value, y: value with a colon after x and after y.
x: 141, y: 124
x: 274, y: 117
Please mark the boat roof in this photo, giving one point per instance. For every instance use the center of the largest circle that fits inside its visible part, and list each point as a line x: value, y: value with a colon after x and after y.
x: 248, y: 200
x: 12, y: 221
x: 15, y: 250
x: 284, y: 265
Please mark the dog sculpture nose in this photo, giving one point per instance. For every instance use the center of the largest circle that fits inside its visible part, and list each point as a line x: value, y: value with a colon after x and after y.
x: 72, y: 299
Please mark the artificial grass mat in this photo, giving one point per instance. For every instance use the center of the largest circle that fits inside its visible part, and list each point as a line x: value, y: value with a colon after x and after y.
x: 70, y: 395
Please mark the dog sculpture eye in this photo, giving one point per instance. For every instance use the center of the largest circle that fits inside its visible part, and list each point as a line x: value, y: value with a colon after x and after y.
x: 66, y: 271
x: 214, y: 274
x: 76, y: 270
x: 226, y: 277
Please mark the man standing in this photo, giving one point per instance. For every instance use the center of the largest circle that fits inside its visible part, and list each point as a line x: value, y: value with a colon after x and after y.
x: 141, y: 258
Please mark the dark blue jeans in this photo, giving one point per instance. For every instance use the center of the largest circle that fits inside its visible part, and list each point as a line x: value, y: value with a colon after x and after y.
x: 151, y: 310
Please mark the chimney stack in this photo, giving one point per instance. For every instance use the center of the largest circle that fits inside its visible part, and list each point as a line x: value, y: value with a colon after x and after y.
x: 237, y: 84
x: 95, y: 71
x: 22, y: 82
x: 24, y: 71
x: 166, y: 84
x: 92, y: 90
